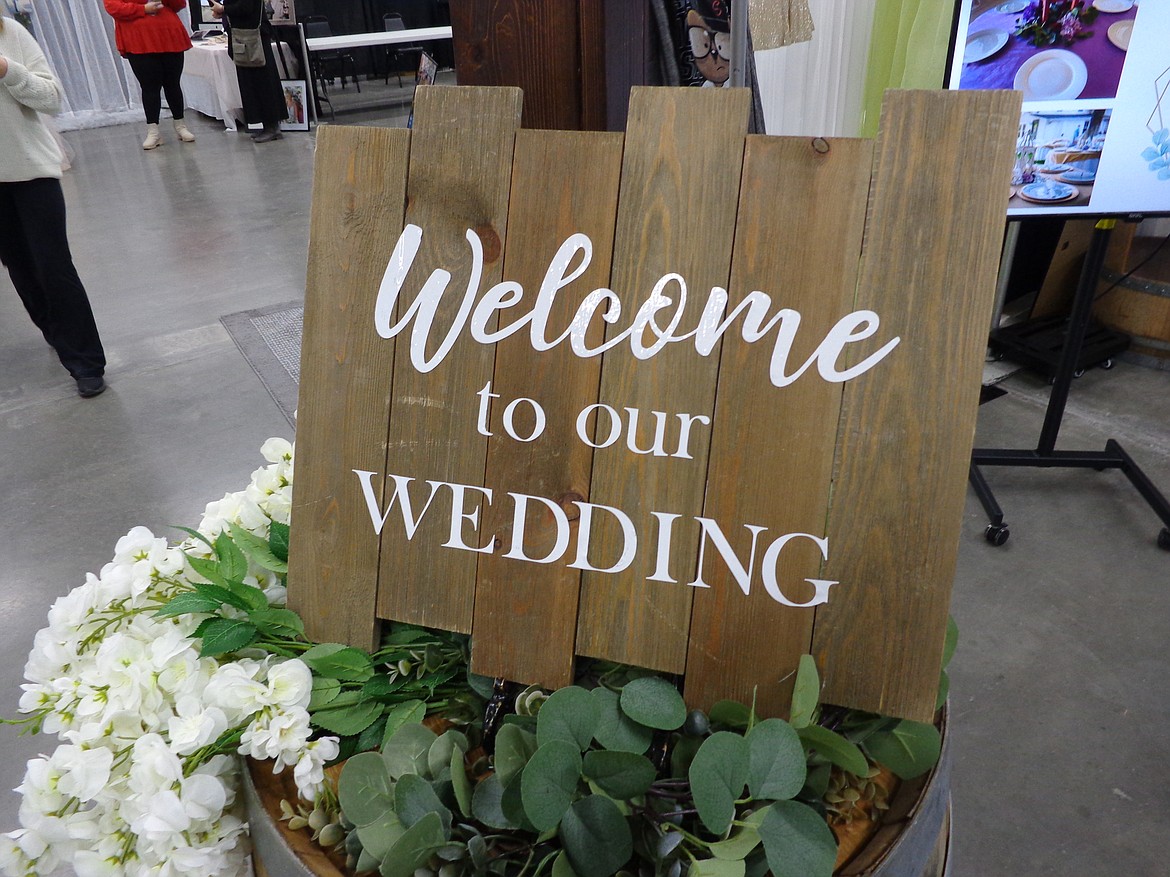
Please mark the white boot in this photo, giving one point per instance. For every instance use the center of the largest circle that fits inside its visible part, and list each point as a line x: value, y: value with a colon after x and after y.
x: 153, y: 138
x: 183, y: 131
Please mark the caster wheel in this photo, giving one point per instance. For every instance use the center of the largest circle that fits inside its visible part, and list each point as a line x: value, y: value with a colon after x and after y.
x: 1164, y: 539
x: 997, y: 534
x: 1107, y: 364
x: 1079, y: 373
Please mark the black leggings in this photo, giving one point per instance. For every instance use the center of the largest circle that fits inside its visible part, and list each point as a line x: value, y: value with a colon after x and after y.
x: 155, y: 72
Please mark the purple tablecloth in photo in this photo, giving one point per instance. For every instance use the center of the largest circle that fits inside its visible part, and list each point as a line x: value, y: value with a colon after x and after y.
x: 1103, y: 59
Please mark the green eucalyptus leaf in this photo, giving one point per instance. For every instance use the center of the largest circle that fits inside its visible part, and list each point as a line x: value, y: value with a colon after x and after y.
x: 596, y: 837
x: 188, y: 603
x: 514, y: 746
x: 379, y: 837
x: 653, y: 702
x: 615, y: 730
x: 621, y: 775
x: 731, y: 714
x: 371, y: 738
x: 484, y: 686
x: 950, y: 641
x: 460, y: 784
x: 682, y: 754
x: 439, y: 755
x: 347, y: 721
x: 806, y: 693
x: 835, y: 748
x: 718, y: 775
x: 233, y: 566
x: 278, y: 622
x: 409, y: 712
x: 477, y: 848
x: 346, y: 663
x: 818, y: 781
x: 944, y: 689
x: 416, y: 845
x: 278, y: 540
x: 797, y: 841
x: 226, y: 635
x: 406, y: 750
x: 365, y: 789
x: 909, y: 749
x: 561, y: 866
x: 257, y: 549
x: 549, y: 782
x: 716, y: 868
x: 569, y: 714
x: 366, y: 860
x: 741, y: 843
x: 414, y: 798
x: 512, y: 803
x: 778, y: 763
x: 487, y: 804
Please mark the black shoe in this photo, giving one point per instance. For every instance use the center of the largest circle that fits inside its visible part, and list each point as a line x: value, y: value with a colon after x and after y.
x: 268, y: 135
x: 89, y: 387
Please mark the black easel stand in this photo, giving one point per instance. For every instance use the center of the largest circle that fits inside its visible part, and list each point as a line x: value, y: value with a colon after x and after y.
x: 1045, y: 454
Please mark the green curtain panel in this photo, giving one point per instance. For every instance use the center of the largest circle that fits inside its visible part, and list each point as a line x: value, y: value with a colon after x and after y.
x: 908, y: 49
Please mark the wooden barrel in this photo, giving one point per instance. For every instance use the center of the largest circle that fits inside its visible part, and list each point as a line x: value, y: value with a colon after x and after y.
x: 913, y: 840
x: 1138, y: 304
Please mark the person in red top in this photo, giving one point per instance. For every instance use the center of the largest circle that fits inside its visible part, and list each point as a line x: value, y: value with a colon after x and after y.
x: 151, y: 36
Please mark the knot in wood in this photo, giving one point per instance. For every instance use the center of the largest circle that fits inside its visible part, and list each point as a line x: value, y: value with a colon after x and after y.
x: 821, y: 145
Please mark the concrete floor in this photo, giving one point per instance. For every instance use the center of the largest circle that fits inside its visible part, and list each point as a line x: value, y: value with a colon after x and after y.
x: 1060, y: 693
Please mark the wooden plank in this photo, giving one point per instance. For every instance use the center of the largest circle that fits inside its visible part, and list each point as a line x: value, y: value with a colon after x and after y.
x: 526, y: 613
x: 460, y: 173
x: 359, y: 196
x: 929, y: 267
x: 804, y: 257
x: 676, y: 213
x: 535, y: 46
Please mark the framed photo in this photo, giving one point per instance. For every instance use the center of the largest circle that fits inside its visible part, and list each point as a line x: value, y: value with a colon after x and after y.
x: 296, y: 102
x: 281, y: 11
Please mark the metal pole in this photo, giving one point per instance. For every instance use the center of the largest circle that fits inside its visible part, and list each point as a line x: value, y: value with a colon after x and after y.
x: 739, y: 43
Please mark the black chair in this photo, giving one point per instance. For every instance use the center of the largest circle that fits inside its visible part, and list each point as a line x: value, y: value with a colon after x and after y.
x: 392, y: 21
x: 318, y: 26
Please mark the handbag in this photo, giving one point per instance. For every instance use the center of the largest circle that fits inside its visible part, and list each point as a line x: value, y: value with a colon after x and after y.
x: 247, y: 47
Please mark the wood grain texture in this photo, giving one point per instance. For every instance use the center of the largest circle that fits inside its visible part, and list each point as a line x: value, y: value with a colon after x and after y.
x: 929, y: 265
x: 460, y: 174
x: 526, y: 613
x: 676, y: 213
x: 359, y: 196
x: 772, y: 448
x: 534, y: 46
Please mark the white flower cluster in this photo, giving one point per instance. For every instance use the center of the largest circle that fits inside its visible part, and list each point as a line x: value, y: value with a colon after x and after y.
x: 141, y: 784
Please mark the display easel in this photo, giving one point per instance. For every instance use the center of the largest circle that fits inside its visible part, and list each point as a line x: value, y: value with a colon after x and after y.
x: 1045, y: 455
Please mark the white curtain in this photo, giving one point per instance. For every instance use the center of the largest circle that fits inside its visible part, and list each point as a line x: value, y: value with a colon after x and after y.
x: 817, y: 88
x: 77, y: 36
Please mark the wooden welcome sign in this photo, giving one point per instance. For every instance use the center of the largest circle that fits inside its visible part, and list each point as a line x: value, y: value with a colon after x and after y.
x: 681, y: 398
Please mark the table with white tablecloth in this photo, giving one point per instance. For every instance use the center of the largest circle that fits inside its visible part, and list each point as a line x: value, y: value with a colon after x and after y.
x: 209, y: 81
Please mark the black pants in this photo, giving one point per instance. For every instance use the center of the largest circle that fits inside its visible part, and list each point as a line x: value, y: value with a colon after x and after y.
x: 35, y: 250
x: 159, y: 72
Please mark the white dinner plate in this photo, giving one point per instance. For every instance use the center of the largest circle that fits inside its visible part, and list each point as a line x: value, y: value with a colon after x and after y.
x: 1055, y: 74
x: 1119, y: 33
x: 1048, y: 192
x: 984, y: 44
x: 1114, y: 5
x: 1012, y: 6
x: 1078, y: 176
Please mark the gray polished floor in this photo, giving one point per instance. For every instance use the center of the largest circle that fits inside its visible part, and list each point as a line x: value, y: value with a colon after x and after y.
x: 1060, y: 689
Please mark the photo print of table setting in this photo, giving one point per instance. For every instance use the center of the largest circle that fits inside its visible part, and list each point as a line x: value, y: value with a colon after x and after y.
x: 1095, y: 82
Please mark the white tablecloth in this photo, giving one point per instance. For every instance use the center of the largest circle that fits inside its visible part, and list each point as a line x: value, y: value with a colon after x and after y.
x: 210, y: 85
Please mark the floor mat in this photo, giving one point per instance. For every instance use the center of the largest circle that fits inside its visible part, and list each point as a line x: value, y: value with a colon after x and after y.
x: 270, y: 340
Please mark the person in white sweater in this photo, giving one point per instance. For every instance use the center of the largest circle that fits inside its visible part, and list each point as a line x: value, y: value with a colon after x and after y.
x: 33, y: 243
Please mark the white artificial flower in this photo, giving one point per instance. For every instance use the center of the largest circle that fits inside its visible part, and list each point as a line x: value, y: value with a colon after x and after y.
x: 154, y: 766
x: 81, y: 773
x: 290, y: 684
x: 276, y: 450
x: 194, y: 726
x: 309, y: 772
x: 235, y: 689
x: 281, y: 736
